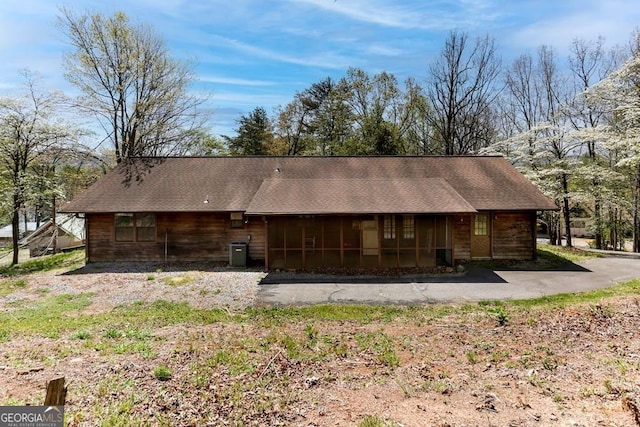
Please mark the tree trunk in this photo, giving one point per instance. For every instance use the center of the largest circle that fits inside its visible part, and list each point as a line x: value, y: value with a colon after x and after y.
x: 54, y: 227
x: 598, y: 223
x: 15, y: 226
x: 636, y: 220
x: 565, y: 208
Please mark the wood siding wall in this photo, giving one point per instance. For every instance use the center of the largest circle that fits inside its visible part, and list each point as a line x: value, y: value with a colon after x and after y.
x: 184, y: 236
x: 206, y: 237
x: 462, y: 237
x: 514, y: 235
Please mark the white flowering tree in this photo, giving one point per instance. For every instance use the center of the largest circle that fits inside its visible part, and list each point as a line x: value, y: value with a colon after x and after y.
x: 619, y: 96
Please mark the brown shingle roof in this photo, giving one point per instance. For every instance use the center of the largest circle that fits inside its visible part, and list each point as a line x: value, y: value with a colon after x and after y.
x: 362, y: 195
x: 232, y: 183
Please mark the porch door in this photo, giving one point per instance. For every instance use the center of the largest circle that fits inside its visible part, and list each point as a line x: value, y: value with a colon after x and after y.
x: 481, y: 236
x: 370, y: 238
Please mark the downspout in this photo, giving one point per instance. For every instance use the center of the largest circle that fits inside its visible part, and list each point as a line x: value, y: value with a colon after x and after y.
x: 166, y: 244
x: 266, y: 243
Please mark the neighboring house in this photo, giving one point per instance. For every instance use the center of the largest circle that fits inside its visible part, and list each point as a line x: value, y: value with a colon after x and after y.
x: 6, y: 232
x: 312, y: 212
x: 68, y: 233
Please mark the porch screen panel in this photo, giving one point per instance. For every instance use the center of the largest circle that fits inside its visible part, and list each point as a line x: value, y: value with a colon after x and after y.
x: 443, y: 240
x: 313, y: 242
x: 389, y: 243
x: 293, y: 242
x: 406, y: 239
x: 425, y: 229
x: 276, y: 227
x: 332, y: 241
x: 351, y: 241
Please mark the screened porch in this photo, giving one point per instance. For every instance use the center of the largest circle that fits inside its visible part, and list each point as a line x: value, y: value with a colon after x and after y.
x: 358, y: 241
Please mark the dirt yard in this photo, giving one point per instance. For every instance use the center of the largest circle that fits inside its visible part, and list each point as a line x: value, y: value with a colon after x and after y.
x: 465, y: 365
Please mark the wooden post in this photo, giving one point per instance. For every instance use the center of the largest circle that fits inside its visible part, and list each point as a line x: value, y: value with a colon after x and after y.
x: 56, y: 392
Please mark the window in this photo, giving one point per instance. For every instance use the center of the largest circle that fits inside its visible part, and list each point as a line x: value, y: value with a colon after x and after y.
x: 480, y: 225
x: 124, y: 227
x: 237, y: 220
x: 145, y: 227
x: 389, y: 227
x: 139, y: 227
x: 408, y: 227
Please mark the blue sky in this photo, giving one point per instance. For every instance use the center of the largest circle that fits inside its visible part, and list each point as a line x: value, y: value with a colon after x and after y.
x: 251, y: 53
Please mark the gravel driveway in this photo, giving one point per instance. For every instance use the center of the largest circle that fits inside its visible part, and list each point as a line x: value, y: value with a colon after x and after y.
x: 125, y: 283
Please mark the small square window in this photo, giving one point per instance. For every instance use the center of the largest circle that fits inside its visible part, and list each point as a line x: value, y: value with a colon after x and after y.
x: 237, y: 220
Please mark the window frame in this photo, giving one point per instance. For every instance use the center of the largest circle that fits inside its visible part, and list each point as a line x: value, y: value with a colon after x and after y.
x: 389, y: 227
x: 138, y: 231
x: 237, y: 220
x: 408, y: 227
x: 481, y: 225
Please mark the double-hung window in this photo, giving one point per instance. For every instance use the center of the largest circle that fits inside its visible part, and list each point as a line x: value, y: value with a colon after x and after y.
x: 408, y: 227
x: 138, y: 227
x: 389, y: 227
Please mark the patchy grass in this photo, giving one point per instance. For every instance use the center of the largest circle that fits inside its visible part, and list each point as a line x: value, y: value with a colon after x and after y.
x: 10, y: 286
x: 177, y: 280
x: 562, y: 300
x: 549, y: 257
x: 67, y: 260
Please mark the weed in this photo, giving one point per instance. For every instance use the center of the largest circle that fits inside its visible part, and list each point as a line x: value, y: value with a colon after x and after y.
x: 162, y: 373
x: 151, y: 277
x: 112, y: 333
x: 610, y: 388
x: 81, y: 335
x: 501, y: 316
x: 550, y: 363
x: 373, y: 421
x: 472, y: 357
x: 406, y: 388
x: 312, y: 334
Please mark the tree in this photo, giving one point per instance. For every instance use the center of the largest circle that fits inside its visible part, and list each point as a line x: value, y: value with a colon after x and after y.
x: 371, y: 100
x: 619, y: 95
x: 254, y: 134
x: 207, y: 145
x: 131, y: 85
x: 589, y: 63
x: 539, y: 142
x: 32, y: 131
x: 461, y: 91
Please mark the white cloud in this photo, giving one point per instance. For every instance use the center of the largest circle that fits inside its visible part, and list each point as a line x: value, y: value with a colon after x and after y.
x: 234, y: 81
x: 614, y: 19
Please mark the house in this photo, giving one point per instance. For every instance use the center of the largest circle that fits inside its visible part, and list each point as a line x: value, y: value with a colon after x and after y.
x: 312, y: 212
x: 67, y: 232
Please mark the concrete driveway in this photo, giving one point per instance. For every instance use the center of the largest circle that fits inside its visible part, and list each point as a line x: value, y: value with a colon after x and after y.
x: 475, y: 285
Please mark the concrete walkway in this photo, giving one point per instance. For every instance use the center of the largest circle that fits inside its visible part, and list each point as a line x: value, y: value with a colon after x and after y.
x: 476, y: 285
